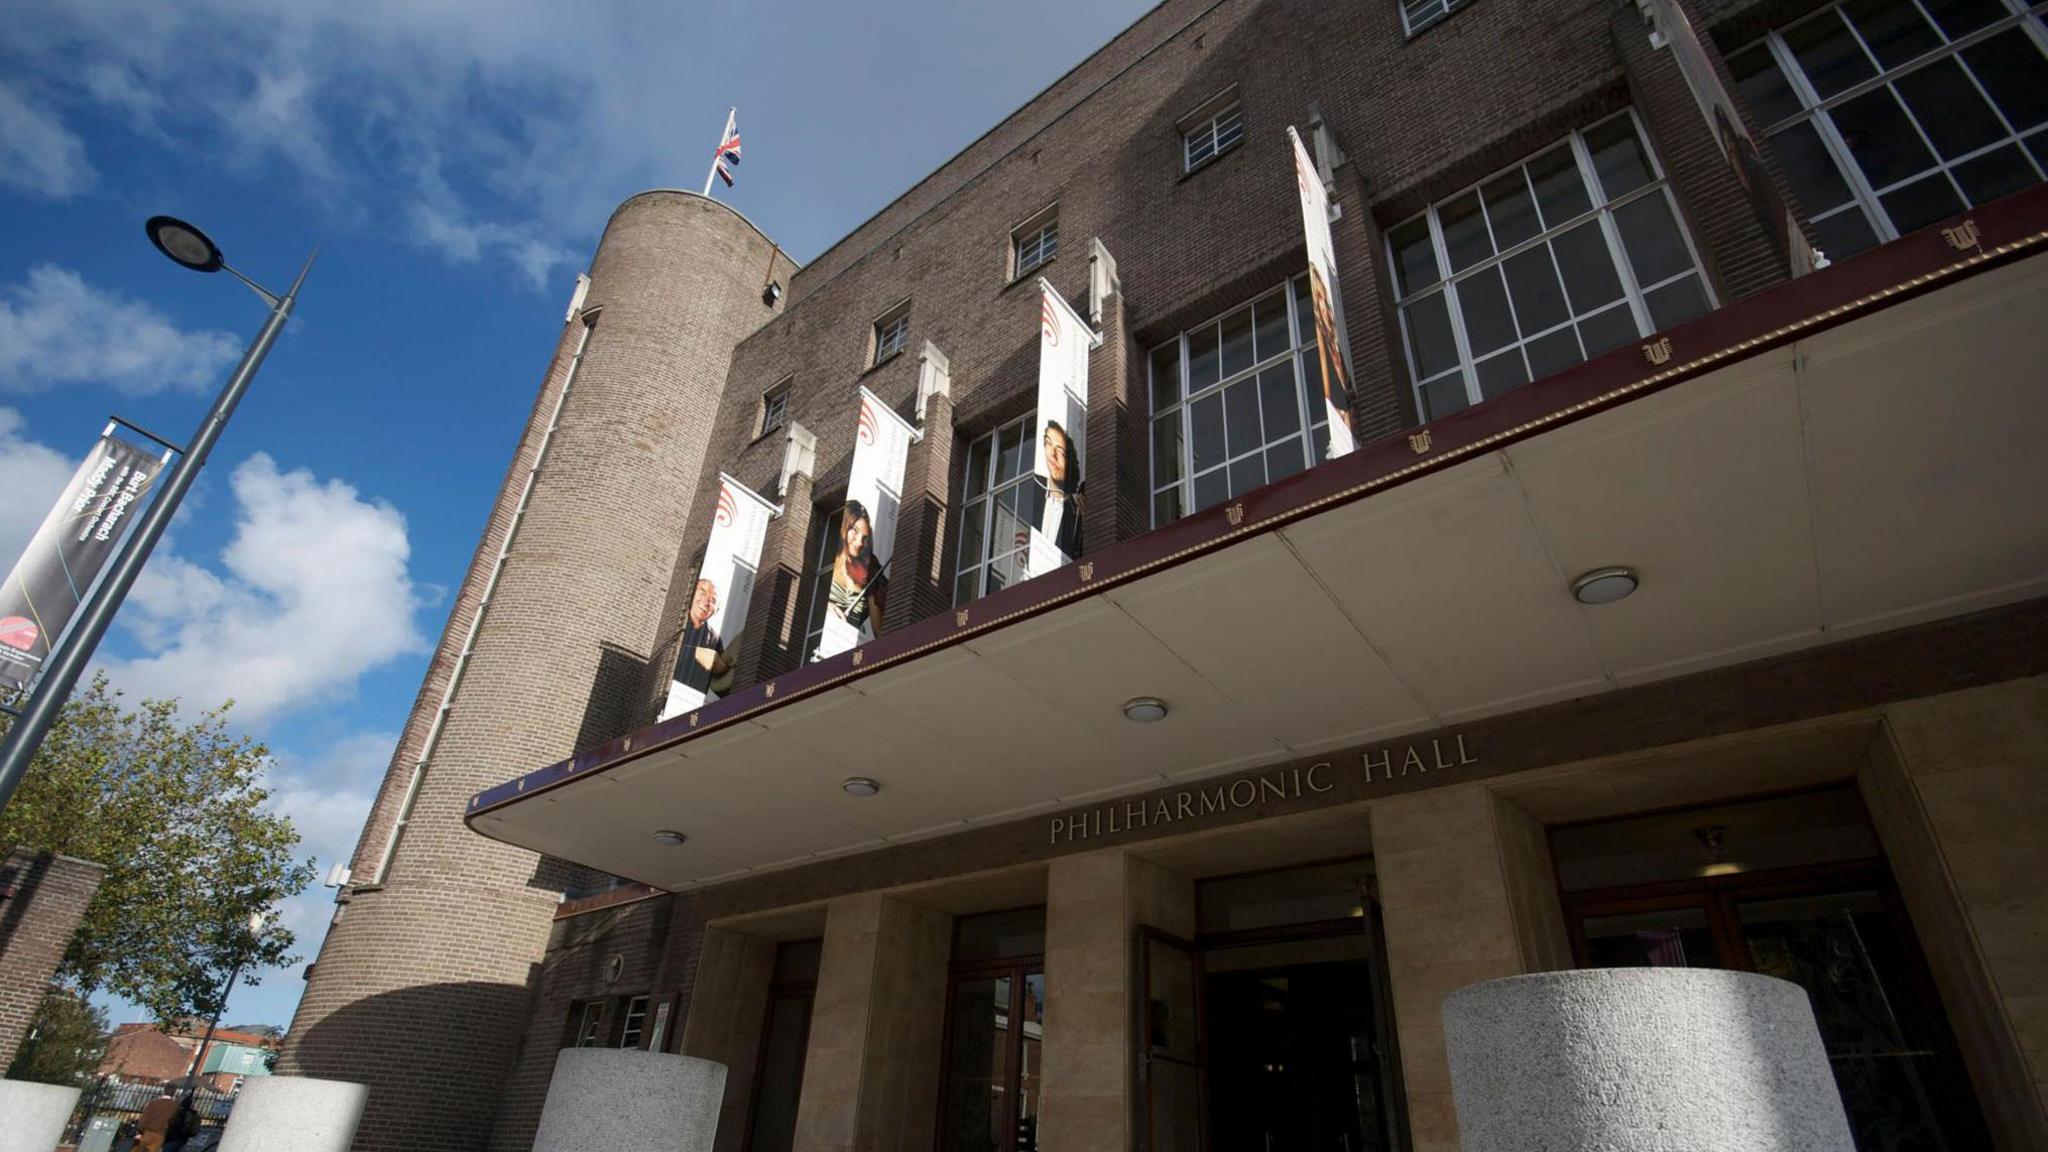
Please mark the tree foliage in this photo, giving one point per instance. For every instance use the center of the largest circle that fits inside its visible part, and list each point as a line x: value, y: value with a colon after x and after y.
x: 174, y: 811
x: 64, y: 1044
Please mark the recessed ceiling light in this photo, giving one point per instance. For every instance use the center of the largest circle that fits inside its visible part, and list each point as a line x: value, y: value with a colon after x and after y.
x: 1145, y: 710
x: 669, y: 836
x: 860, y: 786
x: 1604, y: 585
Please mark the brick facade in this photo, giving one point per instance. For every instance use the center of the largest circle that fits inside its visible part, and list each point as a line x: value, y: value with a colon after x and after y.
x: 445, y: 948
x: 43, y: 898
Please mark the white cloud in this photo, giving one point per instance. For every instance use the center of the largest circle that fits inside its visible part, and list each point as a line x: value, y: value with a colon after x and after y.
x: 31, y: 476
x: 315, y: 592
x: 38, y: 153
x: 57, y: 329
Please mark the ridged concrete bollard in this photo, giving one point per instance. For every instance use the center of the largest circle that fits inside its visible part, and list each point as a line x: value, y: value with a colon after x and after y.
x: 626, y: 1100
x: 32, y: 1116
x: 1640, y: 1060
x: 272, y: 1113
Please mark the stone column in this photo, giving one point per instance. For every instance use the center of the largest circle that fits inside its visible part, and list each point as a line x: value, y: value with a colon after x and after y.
x: 1095, y: 902
x: 728, y: 1008
x: 622, y: 1098
x: 1453, y: 918
x: 294, y: 1112
x: 1955, y: 787
x: 35, y: 1115
x: 920, y: 578
x: 871, y: 1071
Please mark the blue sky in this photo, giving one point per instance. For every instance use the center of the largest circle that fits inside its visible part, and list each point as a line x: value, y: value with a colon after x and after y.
x: 455, y: 160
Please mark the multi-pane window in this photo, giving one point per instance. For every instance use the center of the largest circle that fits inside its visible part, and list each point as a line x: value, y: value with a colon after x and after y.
x: 825, y: 546
x: 995, y: 1028
x: 892, y: 332
x: 998, y: 507
x: 1233, y: 405
x: 774, y: 408
x: 1034, y: 244
x: 1568, y: 254
x: 633, y: 1026
x: 1888, y: 115
x: 1212, y: 134
x: 1419, y: 14
x: 589, y: 1025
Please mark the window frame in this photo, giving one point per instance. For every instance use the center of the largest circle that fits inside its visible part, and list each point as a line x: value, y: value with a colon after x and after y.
x: 775, y: 407
x: 826, y: 516
x: 633, y: 1019
x: 1818, y: 111
x: 1601, y: 209
x: 889, y: 335
x: 1018, y: 969
x: 1313, y: 415
x: 586, y: 1024
x: 1444, y: 9
x: 1205, y: 119
x: 982, y: 508
x: 1041, y: 230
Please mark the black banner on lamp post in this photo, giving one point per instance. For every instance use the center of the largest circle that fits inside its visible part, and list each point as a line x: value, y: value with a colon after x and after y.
x: 67, y: 553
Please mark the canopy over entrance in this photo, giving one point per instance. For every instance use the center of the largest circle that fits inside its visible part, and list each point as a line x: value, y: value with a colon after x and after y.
x: 1861, y: 450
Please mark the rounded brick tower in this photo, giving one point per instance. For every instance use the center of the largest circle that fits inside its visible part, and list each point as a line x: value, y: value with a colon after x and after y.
x: 420, y: 990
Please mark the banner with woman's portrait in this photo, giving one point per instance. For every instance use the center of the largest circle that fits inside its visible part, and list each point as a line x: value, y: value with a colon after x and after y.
x: 857, y: 599
x: 1333, y: 344
x: 1061, y: 432
x: 717, y: 608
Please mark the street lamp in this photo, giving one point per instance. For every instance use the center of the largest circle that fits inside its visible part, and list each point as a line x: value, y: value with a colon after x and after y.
x: 256, y: 920
x: 190, y: 248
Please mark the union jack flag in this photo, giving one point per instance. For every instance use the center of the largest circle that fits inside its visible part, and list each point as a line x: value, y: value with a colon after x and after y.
x: 728, y: 152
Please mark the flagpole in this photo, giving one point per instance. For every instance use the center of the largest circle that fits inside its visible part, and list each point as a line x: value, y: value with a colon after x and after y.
x: 731, y: 114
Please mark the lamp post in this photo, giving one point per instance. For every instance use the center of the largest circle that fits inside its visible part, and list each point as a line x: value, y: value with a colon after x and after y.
x: 241, y: 957
x: 190, y: 248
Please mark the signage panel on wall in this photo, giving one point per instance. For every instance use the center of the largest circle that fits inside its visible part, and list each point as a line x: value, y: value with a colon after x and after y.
x: 717, y: 609
x: 67, y: 553
x: 858, y: 596
x: 1333, y: 343
x: 1061, y: 432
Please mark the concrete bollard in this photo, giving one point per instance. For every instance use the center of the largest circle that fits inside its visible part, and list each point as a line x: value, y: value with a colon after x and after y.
x: 1640, y: 1060
x: 295, y: 1112
x: 32, y: 1116
x: 626, y: 1100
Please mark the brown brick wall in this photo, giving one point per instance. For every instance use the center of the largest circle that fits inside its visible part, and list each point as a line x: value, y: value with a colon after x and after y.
x: 42, y: 899
x: 421, y: 990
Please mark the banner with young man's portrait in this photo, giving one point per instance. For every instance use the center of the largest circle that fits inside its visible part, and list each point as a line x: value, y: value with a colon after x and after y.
x: 1333, y: 343
x: 1061, y: 433
x: 717, y: 608
x: 857, y: 598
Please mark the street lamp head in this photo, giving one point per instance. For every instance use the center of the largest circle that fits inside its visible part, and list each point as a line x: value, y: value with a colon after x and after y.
x: 184, y: 244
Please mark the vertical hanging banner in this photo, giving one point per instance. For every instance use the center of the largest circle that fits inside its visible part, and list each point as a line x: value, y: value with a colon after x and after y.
x: 1064, y: 340
x: 1738, y: 148
x: 68, y: 552
x: 1333, y: 344
x: 859, y: 593
x: 717, y: 609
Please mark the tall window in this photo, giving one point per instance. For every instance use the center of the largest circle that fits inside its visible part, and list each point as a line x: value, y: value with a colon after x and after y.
x: 995, y: 1026
x: 633, y: 1023
x: 825, y: 545
x: 774, y: 408
x: 1208, y: 134
x: 1568, y: 254
x: 1888, y: 115
x: 892, y: 332
x: 1419, y: 14
x: 1034, y: 244
x: 587, y: 1031
x: 997, y: 511
x: 1232, y: 406
x: 779, y: 1073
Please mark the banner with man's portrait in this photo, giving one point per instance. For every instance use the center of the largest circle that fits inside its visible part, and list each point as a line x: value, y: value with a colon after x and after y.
x: 1061, y: 433
x: 40, y: 595
x: 857, y: 598
x: 717, y: 608
x: 1333, y: 343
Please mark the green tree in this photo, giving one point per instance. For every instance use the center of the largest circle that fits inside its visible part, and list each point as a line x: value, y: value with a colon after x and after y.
x: 174, y: 811
x: 64, y: 1044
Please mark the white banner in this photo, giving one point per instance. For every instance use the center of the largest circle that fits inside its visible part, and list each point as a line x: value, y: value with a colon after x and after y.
x: 859, y: 592
x: 717, y: 609
x: 1333, y: 344
x: 1061, y: 433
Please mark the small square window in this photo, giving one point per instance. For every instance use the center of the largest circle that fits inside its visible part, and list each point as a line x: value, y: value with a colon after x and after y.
x: 1034, y: 243
x: 892, y: 333
x: 1419, y: 14
x: 774, y: 408
x: 1211, y: 131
